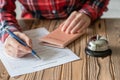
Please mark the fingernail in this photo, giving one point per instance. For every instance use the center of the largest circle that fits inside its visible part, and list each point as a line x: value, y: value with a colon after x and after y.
x: 30, y: 44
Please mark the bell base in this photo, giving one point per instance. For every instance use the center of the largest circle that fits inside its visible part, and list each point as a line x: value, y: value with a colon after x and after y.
x: 98, y: 53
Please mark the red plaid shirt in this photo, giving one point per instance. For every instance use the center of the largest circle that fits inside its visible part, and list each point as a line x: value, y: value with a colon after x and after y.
x: 50, y: 9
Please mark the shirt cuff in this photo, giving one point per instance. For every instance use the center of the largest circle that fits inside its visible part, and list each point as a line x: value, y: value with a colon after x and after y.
x: 88, y: 10
x: 4, y: 34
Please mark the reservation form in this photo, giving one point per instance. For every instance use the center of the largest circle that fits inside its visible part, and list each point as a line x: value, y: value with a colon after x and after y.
x: 50, y: 56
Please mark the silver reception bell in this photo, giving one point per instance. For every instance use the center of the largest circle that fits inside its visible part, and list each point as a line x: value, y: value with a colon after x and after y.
x: 98, y: 47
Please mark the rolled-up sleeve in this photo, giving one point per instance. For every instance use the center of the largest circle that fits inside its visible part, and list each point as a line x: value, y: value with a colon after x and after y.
x: 7, y: 14
x: 94, y: 8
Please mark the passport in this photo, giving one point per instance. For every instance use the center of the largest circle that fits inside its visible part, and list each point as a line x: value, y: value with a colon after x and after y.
x: 58, y: 38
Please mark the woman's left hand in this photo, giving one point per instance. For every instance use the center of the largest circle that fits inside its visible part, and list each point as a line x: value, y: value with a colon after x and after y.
x: 76, y: 23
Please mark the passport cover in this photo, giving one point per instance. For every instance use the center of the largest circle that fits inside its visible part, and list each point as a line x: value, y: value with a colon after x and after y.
x: 58, y: 38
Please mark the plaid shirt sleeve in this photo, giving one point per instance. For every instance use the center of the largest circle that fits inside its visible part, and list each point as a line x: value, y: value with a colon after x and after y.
x: 49, y: 9
x: 7, y: 14
x: 94, y: 8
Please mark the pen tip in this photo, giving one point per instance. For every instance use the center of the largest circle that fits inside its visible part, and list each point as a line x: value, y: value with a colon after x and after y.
x: 35, y: 54
x: 38, y: 57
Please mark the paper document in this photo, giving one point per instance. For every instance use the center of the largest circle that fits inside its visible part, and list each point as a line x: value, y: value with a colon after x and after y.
x: 50, y: 56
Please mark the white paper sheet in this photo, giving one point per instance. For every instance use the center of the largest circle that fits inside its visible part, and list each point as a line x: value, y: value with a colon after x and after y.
x: 50, y: 56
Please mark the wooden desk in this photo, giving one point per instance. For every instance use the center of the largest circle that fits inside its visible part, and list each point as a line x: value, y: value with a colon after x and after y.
x: 87, y: 68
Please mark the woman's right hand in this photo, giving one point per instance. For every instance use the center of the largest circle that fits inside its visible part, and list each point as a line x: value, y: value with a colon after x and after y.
x: 14, y: 48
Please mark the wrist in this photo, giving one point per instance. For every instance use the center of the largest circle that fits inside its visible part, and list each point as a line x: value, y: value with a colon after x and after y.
x: 6, y: 35
x: 86, y: 13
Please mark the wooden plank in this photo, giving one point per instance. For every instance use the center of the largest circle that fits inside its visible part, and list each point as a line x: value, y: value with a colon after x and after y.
x: 91, y: 67
x: 52, y: 73
x: 104, y: 63
x: 79, y: 67
x: 41, y: 23
x: 113, y: 34
x: 39, y: 75
x: 66, y: 72
x: 25, y: 24
x: 52, y: 25
x: 99, y: 67
x: 3, y: 73
x: 29, y: 76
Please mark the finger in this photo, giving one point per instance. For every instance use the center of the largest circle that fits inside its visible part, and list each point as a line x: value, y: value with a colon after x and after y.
x: 61, y: 25
x: 9, y: 53
x: 20, y: 53
x: 25, y: 38
x: 68, y: 21
x: 77, y: 27
x: 14, y: 52
x: 83, y: 27
x: 82, y: 32
x: 16, y: 45
x: 7, y: 47
x: 73, y: 23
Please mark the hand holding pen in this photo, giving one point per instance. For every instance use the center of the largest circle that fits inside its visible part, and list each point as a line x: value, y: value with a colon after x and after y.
x: 18, y: 44
x: 16, y: 49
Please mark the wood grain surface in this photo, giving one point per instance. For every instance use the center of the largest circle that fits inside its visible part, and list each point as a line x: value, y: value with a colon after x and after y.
x: 87, y: 68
